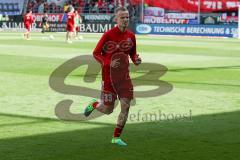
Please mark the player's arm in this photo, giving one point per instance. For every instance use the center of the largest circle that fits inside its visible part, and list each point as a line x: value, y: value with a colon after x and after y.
x: 80, y: 19
x: 97, y: 53
x: 24, y: 19
x: 133, y: 55
x: 32, y: 20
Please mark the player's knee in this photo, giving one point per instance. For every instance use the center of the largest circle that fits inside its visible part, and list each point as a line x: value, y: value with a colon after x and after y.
x: 125, y: 105
x: 125, y: 108
x: 109, y: 109
x: 109, y: 112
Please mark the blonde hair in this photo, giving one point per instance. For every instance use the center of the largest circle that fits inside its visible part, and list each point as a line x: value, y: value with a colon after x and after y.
x: 120, y: 9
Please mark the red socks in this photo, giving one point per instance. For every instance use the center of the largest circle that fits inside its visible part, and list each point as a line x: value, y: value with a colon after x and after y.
x: 118, y: 131
x: 95, y: 104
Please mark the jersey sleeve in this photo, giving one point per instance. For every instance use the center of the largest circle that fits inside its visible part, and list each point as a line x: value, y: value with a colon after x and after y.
x: 32, y: 20
x: 133, y: 54
x: 24, y: 19
x: 97, y: 53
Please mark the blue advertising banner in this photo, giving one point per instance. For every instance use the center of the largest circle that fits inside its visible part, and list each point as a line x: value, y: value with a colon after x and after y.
x: 188, y: 30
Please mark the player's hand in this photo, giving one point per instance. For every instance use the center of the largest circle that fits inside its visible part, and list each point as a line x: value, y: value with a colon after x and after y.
x: 138, y: 61
x: 115, y: 63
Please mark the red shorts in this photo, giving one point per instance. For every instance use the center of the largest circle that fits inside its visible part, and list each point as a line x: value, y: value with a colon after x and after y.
x: 70, y: 28
x: 111, y: 91
x: 77, y: 29
x: 28, y: 27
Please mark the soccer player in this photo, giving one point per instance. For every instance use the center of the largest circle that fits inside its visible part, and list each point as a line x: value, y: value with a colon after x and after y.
x: 112, y: 52
x: 28, y: 20
x: 70, y: 25
x: 45, y: 25
x: 77, y: 21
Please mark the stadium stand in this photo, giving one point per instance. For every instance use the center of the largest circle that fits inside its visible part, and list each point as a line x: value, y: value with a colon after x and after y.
x: 83, y: 6
x: 11, y: 7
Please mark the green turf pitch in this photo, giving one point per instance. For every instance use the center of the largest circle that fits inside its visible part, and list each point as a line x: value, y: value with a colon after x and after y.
x: 204, y: 72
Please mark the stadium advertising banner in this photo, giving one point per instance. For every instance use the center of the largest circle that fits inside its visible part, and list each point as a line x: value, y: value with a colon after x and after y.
x: 192, y: 5
x: 89, y: 18
x: 13, y: 23
x: 84, y: 27
x: 158, y: 15
x: 10, y: 26
x: 11, y: 7
x: 57, y: 27
x: 4, y: 18
x: 209, y: 19
x: 96, y: 27
x: 56, y: 24
x: 155, y: 20
x: 221, y: 18
x: 228, y: 19
x: 92, y: 23
x: 188, y: 30
x: 51, y: 17
x: 97, y: 17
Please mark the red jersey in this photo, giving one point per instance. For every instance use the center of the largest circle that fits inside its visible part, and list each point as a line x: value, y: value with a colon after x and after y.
x: 28, y: 19
x: 70, y: 19
x: 115, y: 44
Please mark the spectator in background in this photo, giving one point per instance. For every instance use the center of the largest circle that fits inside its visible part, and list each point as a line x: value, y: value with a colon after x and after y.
x: 131, y: 12
x: 100, y: 6
x: 57, y: 6
x: 111, y: 6
x: 66, y: 7
x: 95, y: 8
x: 75, y: 4
x: 41, y: 8
x: 104, y: 6
x: 30, y: 5
x: 86, y: 7
x: 52, y: 8
x: 46, y: 7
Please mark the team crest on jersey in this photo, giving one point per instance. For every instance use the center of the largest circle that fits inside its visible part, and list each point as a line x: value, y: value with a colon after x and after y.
x: 129, y: 40
x: 122, y: 46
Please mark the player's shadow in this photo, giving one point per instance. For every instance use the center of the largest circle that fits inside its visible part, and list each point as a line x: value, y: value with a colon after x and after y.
x: 214, y: 136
